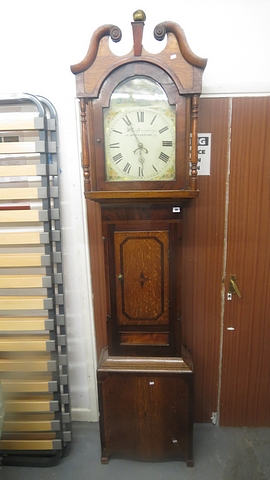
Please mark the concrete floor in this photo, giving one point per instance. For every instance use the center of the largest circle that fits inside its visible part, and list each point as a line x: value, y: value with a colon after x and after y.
x: 219, y: 454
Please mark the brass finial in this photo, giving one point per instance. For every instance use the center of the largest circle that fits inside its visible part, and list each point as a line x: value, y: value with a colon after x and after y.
x: 139, y: 16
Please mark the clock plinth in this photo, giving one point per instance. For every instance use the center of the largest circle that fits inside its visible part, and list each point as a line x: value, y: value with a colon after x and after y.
x: 139, y: 116
x: 146, y: 408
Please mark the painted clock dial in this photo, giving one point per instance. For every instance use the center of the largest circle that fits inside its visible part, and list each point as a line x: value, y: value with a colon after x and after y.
x: 139, y: 130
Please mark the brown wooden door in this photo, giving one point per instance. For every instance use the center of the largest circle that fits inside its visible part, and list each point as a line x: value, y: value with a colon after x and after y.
x: 245, y: 378
x: 142, y: 290
x: 142, y: 269
x: 143, y: 280
x: 229, y: 223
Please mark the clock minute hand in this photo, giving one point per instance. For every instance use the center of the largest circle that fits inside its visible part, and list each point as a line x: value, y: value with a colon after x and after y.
x: 129, y: 124
x: 140, y: 148
x: 140, y: 144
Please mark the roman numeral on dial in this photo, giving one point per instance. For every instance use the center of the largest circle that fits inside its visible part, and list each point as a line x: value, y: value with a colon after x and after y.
x: 127, y: 168
x: 167, y: 143
x: 140, y: 116
x: 117, y: 158
x: 115, y: 145
x: 162, y: 130
x: 164, y: 157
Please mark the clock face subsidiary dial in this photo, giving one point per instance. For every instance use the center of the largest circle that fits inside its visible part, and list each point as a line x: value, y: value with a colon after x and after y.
x: 140, y: 145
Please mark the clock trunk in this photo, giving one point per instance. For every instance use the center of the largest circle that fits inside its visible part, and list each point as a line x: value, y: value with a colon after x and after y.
x: 143, y: 265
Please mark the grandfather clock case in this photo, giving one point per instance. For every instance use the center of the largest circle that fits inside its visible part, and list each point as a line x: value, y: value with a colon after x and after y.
x: 139, y: 156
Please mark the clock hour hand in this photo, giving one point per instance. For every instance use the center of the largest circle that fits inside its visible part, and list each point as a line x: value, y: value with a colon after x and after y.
x: 141, y: 158
x: 141, y: 149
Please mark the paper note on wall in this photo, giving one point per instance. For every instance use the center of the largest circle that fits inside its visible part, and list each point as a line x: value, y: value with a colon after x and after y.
x: 204, y: 153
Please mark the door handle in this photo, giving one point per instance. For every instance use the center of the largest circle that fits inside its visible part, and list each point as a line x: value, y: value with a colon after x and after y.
x: 233, y: 288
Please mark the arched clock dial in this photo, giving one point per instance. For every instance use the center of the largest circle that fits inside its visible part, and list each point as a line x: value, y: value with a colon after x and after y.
x: 140, y: 145
x: 139, y: 131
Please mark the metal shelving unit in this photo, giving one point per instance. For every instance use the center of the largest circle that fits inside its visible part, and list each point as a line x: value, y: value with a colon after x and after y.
x: 33, y: 353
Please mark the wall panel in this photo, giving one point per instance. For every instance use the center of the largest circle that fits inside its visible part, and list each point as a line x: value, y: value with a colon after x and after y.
x: 203, y: 261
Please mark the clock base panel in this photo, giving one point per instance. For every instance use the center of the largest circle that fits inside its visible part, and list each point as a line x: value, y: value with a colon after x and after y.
x: 146, y: 408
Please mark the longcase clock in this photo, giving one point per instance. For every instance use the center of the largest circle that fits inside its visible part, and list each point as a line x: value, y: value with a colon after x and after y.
x: 139, y: 156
